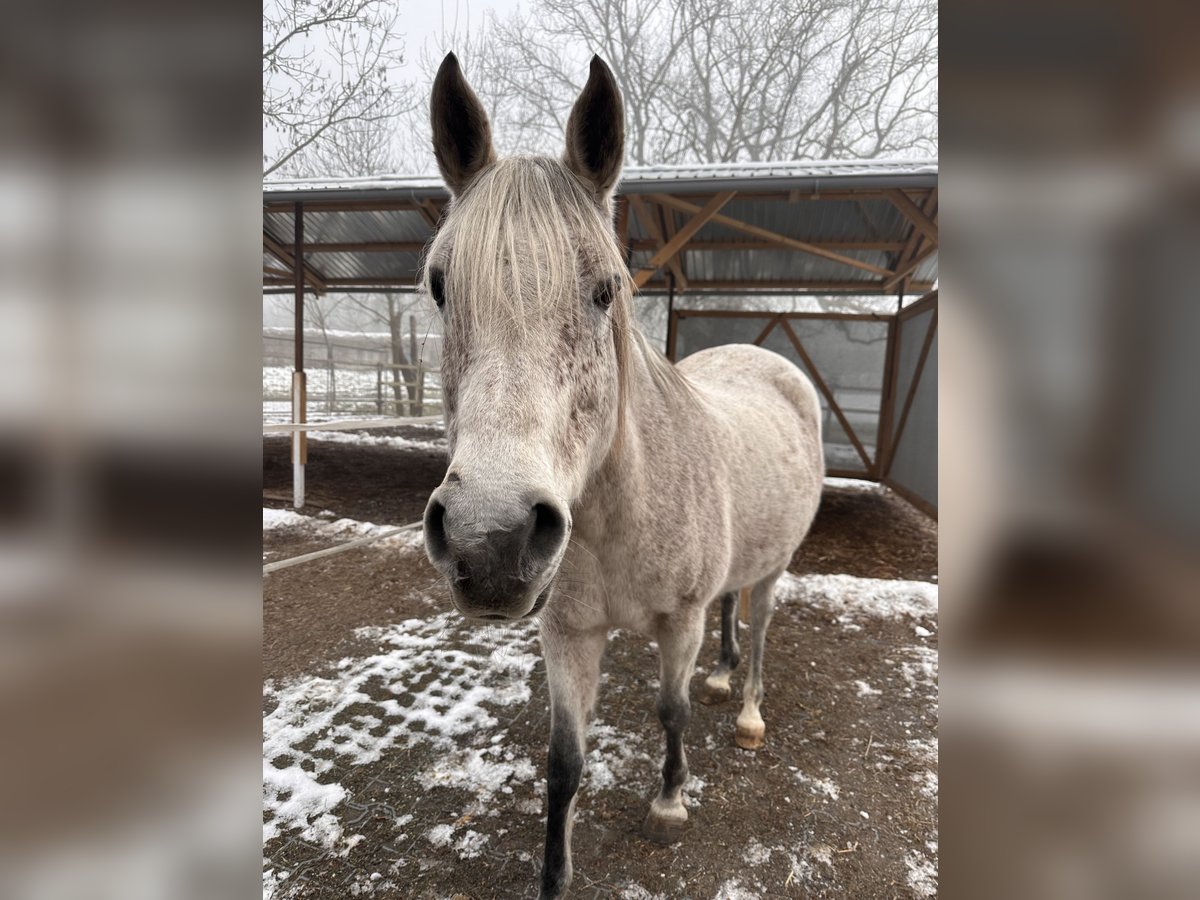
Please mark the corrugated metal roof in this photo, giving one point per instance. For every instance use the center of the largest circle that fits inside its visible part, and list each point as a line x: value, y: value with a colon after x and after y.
x: 377, y: 230
x: 807, y: 174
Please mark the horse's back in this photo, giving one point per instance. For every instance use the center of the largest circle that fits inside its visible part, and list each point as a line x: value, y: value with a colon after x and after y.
x: 769, y: 418
x: 743, y: 371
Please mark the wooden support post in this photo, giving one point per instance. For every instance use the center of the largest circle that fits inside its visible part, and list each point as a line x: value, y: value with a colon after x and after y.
x: 379, y: 388
x: 670, y: 307
x: 331, y: 385
x: 672, y: 333
x: 744, y: 605
x: 930, y: 331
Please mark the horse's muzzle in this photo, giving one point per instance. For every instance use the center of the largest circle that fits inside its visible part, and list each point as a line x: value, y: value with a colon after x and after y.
x: 498, y: 555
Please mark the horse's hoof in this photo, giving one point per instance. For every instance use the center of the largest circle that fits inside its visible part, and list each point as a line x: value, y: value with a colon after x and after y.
x: 665, y: 824
x: 663, y: 831
x: 750, y: 737
x: 715, y: 692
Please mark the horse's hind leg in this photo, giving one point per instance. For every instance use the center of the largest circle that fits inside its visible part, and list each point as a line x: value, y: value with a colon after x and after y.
x: 716, y: 687
x: 750, y: 726
x: 678, y: 644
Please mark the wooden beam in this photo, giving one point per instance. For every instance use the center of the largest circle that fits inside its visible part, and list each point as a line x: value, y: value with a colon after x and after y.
x: 908, y: 268
x: 812, y: 287
x: 431, y: 213
x: 887, y: 397
x: 915, y: 309
x: 762, y: 335
x: 646, y: 216
x: 919, y: 502
x: 381, y: 205
x: 406, y: 282
x: 776, y: 237
x: 914, y: 214
x: 762, y: 314
x: 700, y: 217
x: 829, y: 398
x: 311, y: 275
x: 885, y: 246
x: 912, y: 244
x: 675, y: 263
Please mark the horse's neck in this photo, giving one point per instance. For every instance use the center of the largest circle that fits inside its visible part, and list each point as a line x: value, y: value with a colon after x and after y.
x: 627, y: 473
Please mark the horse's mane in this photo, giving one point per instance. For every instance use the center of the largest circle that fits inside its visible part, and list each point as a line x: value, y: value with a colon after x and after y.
x: 522, y: 203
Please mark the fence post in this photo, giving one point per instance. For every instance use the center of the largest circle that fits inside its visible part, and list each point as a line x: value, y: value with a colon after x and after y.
x: 379, y: 388
x: 331, y: 388
x: 417, y: 408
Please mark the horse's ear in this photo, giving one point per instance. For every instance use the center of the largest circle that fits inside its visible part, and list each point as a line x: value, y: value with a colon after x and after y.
x: 596, y: 131
x: 462, y: 138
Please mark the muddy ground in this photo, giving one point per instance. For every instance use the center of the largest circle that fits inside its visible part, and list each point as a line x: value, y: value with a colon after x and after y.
x: 840, y: 803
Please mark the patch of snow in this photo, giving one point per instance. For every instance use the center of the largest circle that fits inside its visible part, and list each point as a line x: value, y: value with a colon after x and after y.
x: 822, y: 853
x: 921, y: 669
x: 296, y: 797
x: 922, y: 631
x: 756, y: 853
x: 439, y: 835
x: 470, y: 845
x: 852, y: 484
x: 849, y: 595
x: 471, y: 770
x: 351, y: 718
x: 820, y: 785
x: 413, y: 540
x: 637, y: 892
x: 285, y: 518
x: 366, y: 439
x: 733, y: 890
x: 615, y: 757
x: 865, y: 690
x: 922, y: 874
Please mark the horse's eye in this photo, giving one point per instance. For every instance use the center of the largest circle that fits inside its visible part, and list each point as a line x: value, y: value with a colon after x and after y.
x: 437, y: 286
x: 605, y: 293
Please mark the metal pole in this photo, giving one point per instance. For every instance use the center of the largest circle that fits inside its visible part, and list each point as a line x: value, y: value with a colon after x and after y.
x: 299, y: 387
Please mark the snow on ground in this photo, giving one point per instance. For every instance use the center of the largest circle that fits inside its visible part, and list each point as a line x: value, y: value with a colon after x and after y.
x: 849, y: 597
x: 325, y: 524
x: 852, y: 484
x: 365, y: 439
x: 353, y: 716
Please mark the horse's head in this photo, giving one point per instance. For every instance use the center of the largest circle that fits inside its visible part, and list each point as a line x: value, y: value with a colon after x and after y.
x: 534, y: 298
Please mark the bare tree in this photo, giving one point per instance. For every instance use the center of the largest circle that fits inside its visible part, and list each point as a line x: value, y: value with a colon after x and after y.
x: 325, y: 66
x: 716, y: 80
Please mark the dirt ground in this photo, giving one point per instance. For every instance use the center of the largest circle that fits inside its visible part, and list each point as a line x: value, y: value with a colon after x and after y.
x: 840, y: 803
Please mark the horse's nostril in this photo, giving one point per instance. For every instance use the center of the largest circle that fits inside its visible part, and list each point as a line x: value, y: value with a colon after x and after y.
x: 435, y: 529
x: 546, y: 536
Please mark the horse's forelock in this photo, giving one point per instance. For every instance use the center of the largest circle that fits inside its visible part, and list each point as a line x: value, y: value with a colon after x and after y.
x: 520, y: 237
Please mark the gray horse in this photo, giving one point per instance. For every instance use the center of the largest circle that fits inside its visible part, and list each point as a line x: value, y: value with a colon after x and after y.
x: 591, y: 483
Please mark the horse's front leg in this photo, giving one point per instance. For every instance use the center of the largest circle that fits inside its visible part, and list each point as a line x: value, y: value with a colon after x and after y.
x: 679, y: 642
x: 573, y: 670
